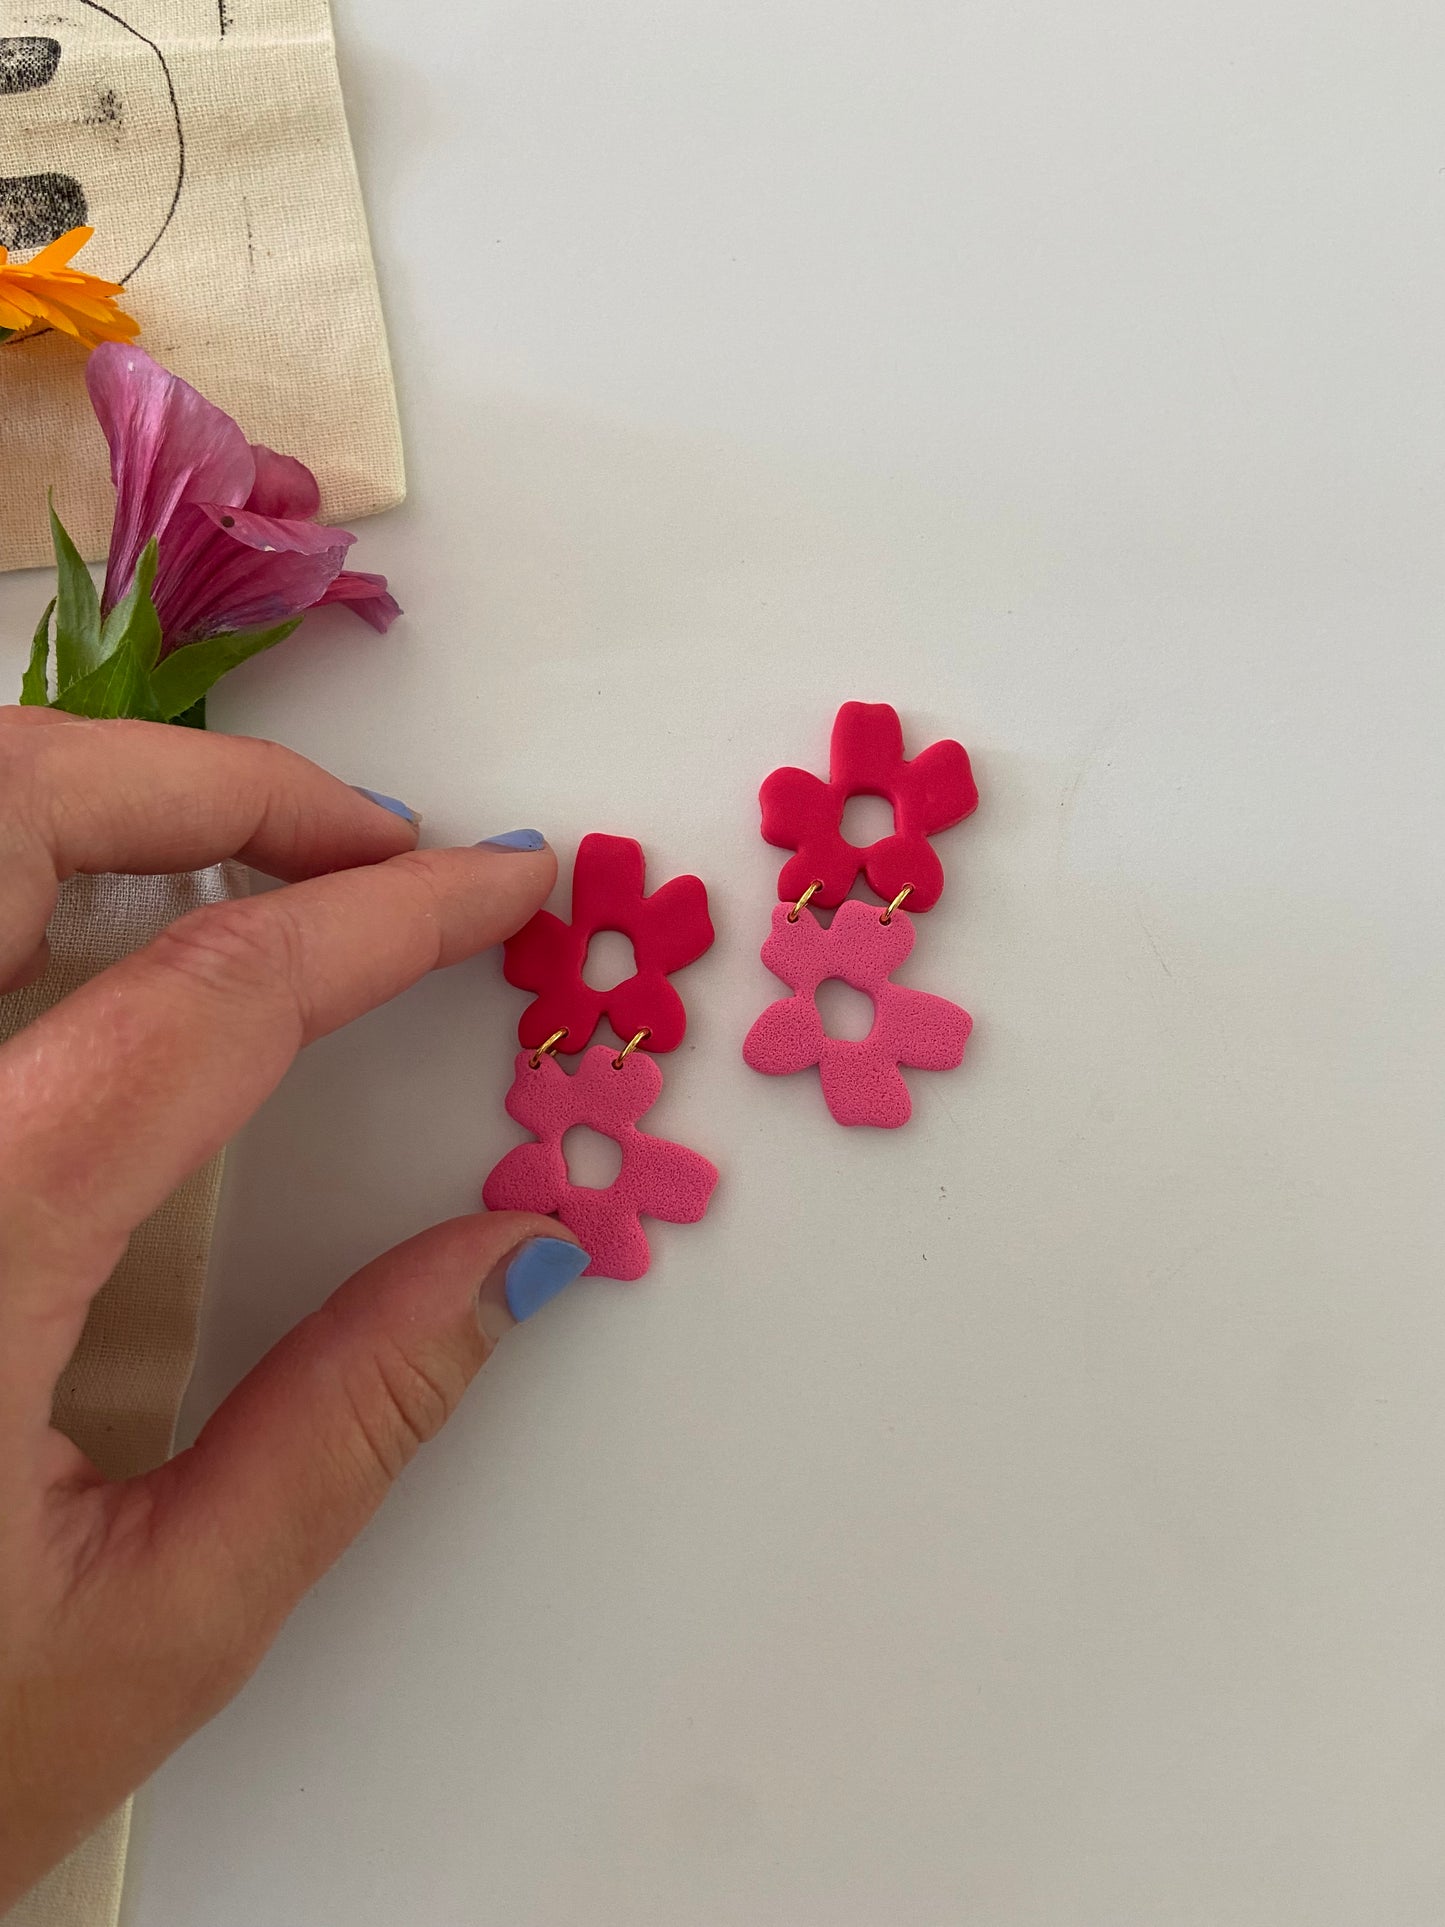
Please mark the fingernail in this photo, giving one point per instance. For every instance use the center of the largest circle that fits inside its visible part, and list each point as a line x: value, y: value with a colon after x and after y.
x: 539, y: 1271
x: 535, y: 1272
x: 514, y: 840
x: 392, y: 803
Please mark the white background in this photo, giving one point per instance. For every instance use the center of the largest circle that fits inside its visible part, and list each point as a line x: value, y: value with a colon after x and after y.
x: 1032, y: 1518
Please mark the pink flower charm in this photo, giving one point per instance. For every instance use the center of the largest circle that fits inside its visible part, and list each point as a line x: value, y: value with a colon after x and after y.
x: 861, y: 1080
x: 658, y: 1179
x: 801, y: 812
x: 669, y: 929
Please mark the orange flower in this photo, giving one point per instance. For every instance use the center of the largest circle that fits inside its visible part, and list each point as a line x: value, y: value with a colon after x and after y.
x: 46, y: 292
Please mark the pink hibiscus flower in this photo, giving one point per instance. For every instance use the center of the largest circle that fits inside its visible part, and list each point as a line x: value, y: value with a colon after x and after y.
x: 238, y: 543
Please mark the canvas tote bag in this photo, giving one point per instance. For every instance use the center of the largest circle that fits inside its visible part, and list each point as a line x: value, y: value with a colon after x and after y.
x: 205, y: 142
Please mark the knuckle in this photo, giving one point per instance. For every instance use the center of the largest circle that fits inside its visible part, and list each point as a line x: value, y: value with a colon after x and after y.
x: 231, y: 946
x: 403, y: 1406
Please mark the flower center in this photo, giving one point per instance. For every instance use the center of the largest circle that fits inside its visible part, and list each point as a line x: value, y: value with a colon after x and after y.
x: 593, y: 1161
x: 847, y: 1014
x: 867, y: 820
x: 610, y: 961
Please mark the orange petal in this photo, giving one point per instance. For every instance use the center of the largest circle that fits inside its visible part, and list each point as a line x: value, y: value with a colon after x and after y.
x: 26, y: 300
x: 58, y: 253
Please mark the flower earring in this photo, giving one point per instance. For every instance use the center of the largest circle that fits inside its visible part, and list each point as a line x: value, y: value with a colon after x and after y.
x: 610, y: 1090
x: 862, y: 1080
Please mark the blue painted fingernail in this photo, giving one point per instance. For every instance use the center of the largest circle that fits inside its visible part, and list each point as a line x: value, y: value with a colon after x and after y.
x: 514, y: 840
x: 392, y: 803
x: 539, y: 1271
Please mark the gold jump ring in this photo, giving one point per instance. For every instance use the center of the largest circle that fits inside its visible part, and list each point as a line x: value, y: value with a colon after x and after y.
x: 627, y: 1049
x: 812, y: 890
x: 906, y: 891
x: 546, y: 1050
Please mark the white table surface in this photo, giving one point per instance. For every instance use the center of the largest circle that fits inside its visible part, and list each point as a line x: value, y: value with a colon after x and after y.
x: 1032, y: 1518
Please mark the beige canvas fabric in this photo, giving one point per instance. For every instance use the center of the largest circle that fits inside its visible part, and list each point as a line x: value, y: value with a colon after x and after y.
x: 206, y: 143
x: 119, y: 1396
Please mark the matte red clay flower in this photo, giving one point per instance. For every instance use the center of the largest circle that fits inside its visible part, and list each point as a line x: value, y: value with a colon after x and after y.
x: 239, y: 546
x: 669, y: 929
x: 658, y: 1179
x: 931, y: 793
x: 861, y: 1079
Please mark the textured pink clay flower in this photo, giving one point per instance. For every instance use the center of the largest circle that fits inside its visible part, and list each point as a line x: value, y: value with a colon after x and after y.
x: 239, y: 546
x: 861, y: 1079
x: 931, y: 793
x: 658, y: 1179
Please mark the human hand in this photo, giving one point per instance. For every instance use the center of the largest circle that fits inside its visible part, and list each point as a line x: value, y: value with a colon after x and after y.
x: 130, y: 1612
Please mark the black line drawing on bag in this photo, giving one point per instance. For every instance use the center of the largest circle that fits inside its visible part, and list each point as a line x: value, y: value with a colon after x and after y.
x: 37, y: 208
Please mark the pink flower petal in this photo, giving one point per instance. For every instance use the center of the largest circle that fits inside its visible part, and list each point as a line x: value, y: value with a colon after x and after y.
x: 675, y: 920
x: 533, y: 1098
x: 607, y: 1097
x: 366, y: 596
x: 797, y: 952
x: 795, y: 802
x: 788, y: 1037
x: 941, y: 789
x: 168, y: 446
x: 531, y: 1177
x: 615, y: 1239
x: 863, y: 1085
x: 900, y: 862
x: 923, y: 1030
x: 863, y: 949
x: 283, y: 486
x: 541, y: 950
x: 867, y: 748
x: 223, y: 569
x: 669, y: 1181
x: 607, y: 869
x: 646, y: 1001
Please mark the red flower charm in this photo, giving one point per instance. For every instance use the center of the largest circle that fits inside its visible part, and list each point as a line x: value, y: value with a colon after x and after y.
x: 931, y: 793
x: 669, y: 929
x: 657, y: 1178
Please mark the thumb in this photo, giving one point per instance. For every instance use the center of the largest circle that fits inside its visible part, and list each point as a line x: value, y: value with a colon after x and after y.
x: 301, y: 1454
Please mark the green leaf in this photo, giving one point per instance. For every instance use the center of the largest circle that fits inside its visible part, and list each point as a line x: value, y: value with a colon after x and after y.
x: 184, y: 677
x: 119, y: 687
x: 35, y: 683
x: 192, y: 718
x: 133, y: 622
x: 130, y: 642
x: 77, y: 611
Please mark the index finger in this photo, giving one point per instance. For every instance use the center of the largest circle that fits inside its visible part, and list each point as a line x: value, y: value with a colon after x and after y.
x: 77, y: 795
x: 111, y: 1098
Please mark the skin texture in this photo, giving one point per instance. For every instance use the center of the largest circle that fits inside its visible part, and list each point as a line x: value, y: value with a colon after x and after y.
x: 131, y: 1612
